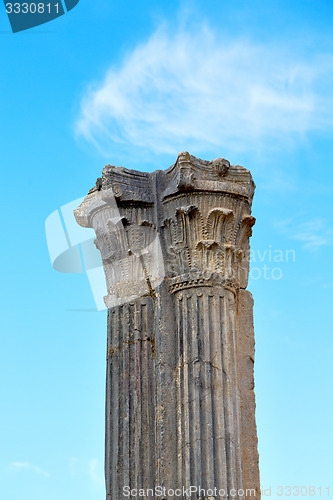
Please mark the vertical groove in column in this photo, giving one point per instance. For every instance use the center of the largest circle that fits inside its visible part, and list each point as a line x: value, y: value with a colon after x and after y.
x: 137, y: 397
x: 148, y: 467
x: 108, y: 409
x: 191, y: 387
x: 220, y: 462
x: 108, y: 415
x: 206, y: 398
x: 131, y: 397
x: 114, y: 404
x: 179, y: 376
x: 144, y: 401
x: 141, y: 388
x: 126, y: 370
x: 119, y: 402
x: 211, y: 301
x: 151, y: 399
x: 185, y: 397
x: 226, y: 394
x: 230, y: 393
x: 195, y: 424
x: 239, y: 483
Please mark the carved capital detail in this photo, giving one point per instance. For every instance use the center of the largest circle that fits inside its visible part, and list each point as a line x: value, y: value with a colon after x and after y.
x: 190, y: 223
x: 205, y: 243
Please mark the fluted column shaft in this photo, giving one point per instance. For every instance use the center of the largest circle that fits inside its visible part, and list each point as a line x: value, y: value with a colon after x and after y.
x: 208, y: 447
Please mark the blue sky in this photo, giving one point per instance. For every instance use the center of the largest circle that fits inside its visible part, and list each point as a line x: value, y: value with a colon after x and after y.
x: 132, y: 84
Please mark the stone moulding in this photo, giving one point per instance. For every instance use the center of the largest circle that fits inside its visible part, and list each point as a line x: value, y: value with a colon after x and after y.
x: 180, y: 407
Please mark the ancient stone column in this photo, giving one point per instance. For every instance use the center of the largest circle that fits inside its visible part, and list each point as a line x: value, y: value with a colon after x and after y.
x: 180, y: 408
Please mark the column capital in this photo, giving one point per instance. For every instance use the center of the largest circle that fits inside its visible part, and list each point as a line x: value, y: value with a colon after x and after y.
x: 190, y: 224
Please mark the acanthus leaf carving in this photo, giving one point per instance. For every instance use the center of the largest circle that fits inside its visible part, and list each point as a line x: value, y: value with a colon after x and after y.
x: 196, y: 243
x: 245, y: 230
x: 220, y: 224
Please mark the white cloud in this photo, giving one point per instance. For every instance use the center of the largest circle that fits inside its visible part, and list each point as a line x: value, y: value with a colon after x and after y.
x: 72, y: 462
x: 92, y: 468
x: 312, y: 233
x: 195, y: 90
x: 96, y: 472
x: 29, y: 466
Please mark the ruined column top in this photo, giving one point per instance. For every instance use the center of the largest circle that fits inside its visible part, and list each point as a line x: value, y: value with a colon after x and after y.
x: 188, y: 174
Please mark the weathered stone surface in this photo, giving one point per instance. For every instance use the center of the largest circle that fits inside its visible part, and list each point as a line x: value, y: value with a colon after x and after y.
x: 245, y: 362
x: 180, y: 408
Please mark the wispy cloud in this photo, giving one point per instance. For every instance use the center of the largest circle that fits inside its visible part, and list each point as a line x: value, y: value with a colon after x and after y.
x: 72, y: 463
x: 29, y: 466
x: 89, y: 468
x: 195, y: 90
x: 96, y: 472
x: 313, y: 233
